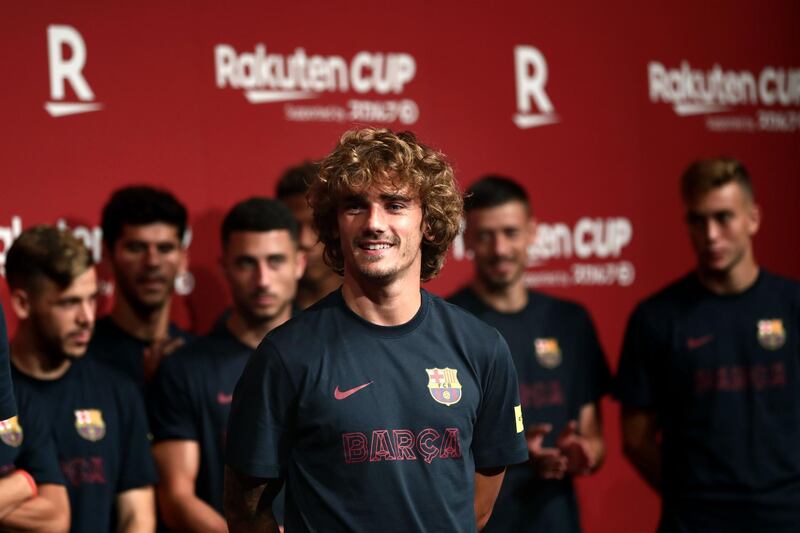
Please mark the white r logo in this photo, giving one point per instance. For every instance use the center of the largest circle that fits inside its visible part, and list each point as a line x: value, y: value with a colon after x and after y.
x: 67, y: 70
x: 530, y: 69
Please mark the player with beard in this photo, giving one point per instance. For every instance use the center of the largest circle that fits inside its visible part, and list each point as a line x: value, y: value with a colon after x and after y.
x: 318, y: 280
x: 97, y: 415
x: 561, y: 368
x: 709, y: 376
x: 143, y: 230
x: 192, y: 391
x: 383, y: 407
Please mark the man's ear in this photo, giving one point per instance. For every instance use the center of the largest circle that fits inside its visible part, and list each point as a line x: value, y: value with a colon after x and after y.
x: 21, y: 303
x: 427, y: 233
x: 755, y: 219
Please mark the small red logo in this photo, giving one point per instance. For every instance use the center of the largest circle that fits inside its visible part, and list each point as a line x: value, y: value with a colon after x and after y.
x: 223, y: 398
x: 341, y: 395
x: 695, y: 342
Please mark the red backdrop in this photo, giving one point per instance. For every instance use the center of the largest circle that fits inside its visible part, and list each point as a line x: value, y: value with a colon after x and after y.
x: 596, y: 108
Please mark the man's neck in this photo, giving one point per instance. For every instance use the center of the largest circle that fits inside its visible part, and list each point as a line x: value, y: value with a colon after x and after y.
x: 151, y: 326
x: 509, y: 299
x: 310, y: 293
x: 252, y: 334
x: 392, y: 304
x: 32, y: 360
x: 737, y: 280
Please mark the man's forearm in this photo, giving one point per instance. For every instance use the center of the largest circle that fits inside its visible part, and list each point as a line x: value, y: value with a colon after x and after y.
x: 646, y: 458
x: 187, y: 512
x: 47, y: 512
x: 248, y: 503
x: 14, y: 490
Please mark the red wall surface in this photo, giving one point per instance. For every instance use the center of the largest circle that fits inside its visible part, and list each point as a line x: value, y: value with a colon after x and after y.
x: 596, y: 108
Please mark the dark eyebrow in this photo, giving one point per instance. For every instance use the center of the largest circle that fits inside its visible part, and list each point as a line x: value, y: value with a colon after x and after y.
x: 395, y: 198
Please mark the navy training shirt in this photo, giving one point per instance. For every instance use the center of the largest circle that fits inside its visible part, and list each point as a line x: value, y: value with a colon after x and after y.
x: 119, y: 349
x: 190, y: 400
x: 374, y: 427
x: 7, y: 405
x: 26, y: 442
x: 561, y: 368
x: 101, y: 436
x: 722, y: 372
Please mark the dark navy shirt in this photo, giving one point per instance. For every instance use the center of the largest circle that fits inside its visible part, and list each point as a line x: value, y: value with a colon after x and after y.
x: 723, y: 375
x: 377, y: 428
x: 26, y: 442
x: 121, y: 350
x: 190, y: 400
x: 7, y: 406
x: 561, y: 368
x: 101, y: 436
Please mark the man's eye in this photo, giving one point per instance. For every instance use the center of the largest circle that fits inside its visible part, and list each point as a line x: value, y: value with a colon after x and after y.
x: 135, y: 247
x: 245, y: 262
x: 166, y: 248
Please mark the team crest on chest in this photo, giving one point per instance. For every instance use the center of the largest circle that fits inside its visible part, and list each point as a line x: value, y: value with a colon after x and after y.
x: 548, y: 353
x: 771, y: 334
x: 90, y: 425
x: 443, y: 385
x: 11, y: 432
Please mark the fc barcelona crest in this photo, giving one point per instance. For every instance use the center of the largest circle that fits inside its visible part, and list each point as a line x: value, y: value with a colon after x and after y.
x: 444, y: 386
x: 90, y: 425
x: 548, y: 353
x: 11, y: 432
x: 771, y: 334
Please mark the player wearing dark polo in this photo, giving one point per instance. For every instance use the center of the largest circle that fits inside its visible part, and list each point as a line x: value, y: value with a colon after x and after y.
x: 96, y: 413
x: 384, y: 408
x: 709, y: 374
x: 561, y: 368
x: 193, y: 389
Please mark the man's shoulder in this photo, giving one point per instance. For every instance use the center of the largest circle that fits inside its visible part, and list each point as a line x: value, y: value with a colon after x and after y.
x: 464, y: 297
x: 563, y: 308
x: 452, y: 315
x: 671, y: 297
x: 780, y: 285
x: 106, y: 378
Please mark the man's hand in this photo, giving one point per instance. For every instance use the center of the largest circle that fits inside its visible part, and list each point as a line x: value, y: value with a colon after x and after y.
x: 154, y: 353
x: 576, y: 450
x: 549, y: 463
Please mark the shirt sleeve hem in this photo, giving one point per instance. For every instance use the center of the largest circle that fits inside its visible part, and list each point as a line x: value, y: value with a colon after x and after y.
x: 258, y: 470
x: 511, y: 456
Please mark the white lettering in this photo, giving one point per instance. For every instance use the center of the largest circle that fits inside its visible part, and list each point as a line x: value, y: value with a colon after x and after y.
x: 67, y: 70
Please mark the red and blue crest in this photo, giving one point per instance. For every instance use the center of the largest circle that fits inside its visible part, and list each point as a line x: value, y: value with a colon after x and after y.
x: 443, y: 385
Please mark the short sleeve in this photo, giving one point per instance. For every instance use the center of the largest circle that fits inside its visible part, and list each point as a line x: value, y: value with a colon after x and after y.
x: 38, y: 455
x: 8, y: 407
x: 499, y: 437
x: 597, y: 376
x: 636, y: 384
x: 137, y: 468
x: 262, y: 416
x: 172, y: 412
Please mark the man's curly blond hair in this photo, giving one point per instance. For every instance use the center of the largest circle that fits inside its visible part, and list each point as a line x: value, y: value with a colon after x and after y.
x: 372, y: 156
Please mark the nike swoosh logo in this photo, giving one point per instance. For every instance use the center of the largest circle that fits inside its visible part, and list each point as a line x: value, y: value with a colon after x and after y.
x: 694, y: 343
x: 341, y: 395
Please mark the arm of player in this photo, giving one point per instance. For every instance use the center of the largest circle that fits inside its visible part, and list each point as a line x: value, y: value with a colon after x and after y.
x: 178, y: 462
x: 48, y: 511
x: 549, y: 463
x: 248, y: 502
x: 582, y: 442
x: 14, y: 490
x: 640, y: 443
x: 487, y: 486
x: 136, y: 510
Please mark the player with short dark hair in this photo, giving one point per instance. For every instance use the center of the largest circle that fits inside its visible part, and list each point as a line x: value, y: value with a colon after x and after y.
x: 32, y: 493
x: 383, y: 407
x: 708, y: 376
x: 143, y: 230
x: 7, y: 406
x: 192, y: 392
x: 561, y: 367
x: 97, y: 415
x: 318, y: 280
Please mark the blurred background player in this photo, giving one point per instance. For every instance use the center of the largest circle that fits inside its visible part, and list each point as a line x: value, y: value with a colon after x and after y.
x: 319, y: 279
x: 709, y: 376
x: 561, y: 368
x: 97, y: 415
x: 7, y: 406
x: 32, y: 493
x: 143, y: 231
x: 193, y: 389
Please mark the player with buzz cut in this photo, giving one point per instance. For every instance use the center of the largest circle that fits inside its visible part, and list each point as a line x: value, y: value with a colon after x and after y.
x: 191, y: 394
x: 709, y: 377
x: 561, y: 367
x: 381, y: 407
x: 97, y: 414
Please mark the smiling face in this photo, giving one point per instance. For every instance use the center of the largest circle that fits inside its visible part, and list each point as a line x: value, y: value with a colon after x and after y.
x: 499, y: 237
x: 262, y: 269
x: 380, y: 230
x: 721, y: 225
x: 146, y: 259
